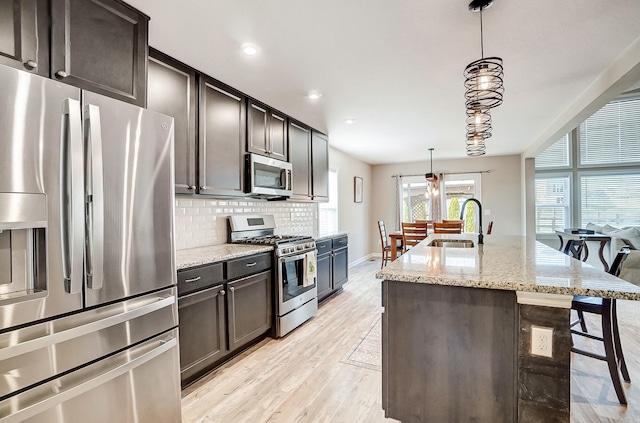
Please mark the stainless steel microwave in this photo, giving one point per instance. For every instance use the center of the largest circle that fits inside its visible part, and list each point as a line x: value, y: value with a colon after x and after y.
x: 268, y: 178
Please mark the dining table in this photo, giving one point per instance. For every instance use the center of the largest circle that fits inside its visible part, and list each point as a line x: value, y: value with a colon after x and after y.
x: 394, y: 237
x: 580, y: 234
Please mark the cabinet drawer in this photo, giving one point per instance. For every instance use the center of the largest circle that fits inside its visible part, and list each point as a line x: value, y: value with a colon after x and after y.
x: 191, y: 280
x: 239, y: 268
x: 323, y: 246
x: 340, y: 242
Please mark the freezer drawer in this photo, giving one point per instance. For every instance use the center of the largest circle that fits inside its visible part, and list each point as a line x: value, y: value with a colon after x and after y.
x: 136, y: 385
x: 35, y: 353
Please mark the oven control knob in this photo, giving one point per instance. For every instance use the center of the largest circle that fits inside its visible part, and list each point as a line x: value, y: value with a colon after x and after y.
x: 309, y: 245
x: 299, y: 247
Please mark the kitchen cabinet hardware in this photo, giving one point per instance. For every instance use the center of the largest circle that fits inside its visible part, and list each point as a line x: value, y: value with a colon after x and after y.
x: 222, y: 292
x: 232, y: 289
x: 31, y: 64
x: 191, y: 187
x: 197, y: 278
x: 251, y: 264
x: 61, y: 74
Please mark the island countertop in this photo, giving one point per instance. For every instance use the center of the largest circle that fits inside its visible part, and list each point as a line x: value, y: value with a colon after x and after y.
x: 514, y: 263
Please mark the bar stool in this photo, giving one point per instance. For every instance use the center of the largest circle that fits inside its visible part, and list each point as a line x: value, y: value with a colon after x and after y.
x: 606, y: 308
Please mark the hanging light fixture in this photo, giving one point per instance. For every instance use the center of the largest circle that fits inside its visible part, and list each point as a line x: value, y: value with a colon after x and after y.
x: 484, y: 91
x: 483, y: 77
x: 432, y: 179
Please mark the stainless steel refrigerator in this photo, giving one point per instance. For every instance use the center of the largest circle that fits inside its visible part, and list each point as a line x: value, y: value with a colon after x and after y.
x: 88, y: 317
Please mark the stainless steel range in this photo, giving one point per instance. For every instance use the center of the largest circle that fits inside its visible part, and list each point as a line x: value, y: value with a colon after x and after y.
x: 296, y: 289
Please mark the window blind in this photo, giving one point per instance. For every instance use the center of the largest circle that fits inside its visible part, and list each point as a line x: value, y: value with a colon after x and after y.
x: 610, y: 199
x: 552, y: 204
x: 612, y: 134
x: 556, y: 155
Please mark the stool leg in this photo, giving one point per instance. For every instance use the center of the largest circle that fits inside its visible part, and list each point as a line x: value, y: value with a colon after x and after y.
x: 618, y: 344
x: 609, y: 350
x: 583, y: 324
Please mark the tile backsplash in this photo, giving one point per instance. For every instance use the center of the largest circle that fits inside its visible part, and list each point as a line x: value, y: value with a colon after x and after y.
x: 202, y: 222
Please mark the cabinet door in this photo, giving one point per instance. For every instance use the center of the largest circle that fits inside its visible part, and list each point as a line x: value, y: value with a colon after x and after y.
x: 320, y: 166
x: 258, y: 129
x: 172, y: 91
x: 249, y: 304
x: 100, y: 46
x: 222, y: 136
x: 201, y: 331
x: 323, y: 276
x: 24, y: 35
x: 300, y: 155
x: 340, y: 269
x: 279, y: 144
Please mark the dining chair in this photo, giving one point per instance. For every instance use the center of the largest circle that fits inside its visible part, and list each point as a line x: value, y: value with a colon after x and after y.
x: 458, y: 221
x: 447, y: 228
x: 429, y: 224
x: 607, y: 310
x: 413, y: 233
x: 384, y: 242
x: 574, y: 248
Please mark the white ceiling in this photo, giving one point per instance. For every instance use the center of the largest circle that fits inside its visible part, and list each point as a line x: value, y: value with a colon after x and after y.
x: 396, y: 65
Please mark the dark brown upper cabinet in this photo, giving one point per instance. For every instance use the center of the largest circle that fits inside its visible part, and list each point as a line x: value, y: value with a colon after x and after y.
x: 320, y: 166
x: 172, y: 90
x: 222, y: 139
x: 300, y: 155
x: 24, y: 35
x: 266, y: 131
x: 100, y: 46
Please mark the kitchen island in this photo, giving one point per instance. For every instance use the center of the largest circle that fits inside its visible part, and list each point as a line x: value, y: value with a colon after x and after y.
x: 457, y: 329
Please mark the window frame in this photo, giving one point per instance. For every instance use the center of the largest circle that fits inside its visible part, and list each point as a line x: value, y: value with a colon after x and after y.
x: 570, y: 196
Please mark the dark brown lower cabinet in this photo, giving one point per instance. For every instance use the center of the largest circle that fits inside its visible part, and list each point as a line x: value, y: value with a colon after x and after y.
x: 333, y: 265
x: 202, y: 331
x: 249, y: 304
x: 222, y: 308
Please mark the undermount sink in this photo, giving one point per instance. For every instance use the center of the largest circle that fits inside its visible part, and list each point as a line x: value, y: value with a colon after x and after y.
x: 456, y: 243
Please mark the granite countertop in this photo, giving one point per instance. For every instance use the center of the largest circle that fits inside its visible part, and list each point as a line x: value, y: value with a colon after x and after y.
x: 205, y: 255
x: 512, y: 263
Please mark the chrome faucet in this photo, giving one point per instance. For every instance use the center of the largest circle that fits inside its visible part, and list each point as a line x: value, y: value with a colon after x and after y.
x: 480, y: 236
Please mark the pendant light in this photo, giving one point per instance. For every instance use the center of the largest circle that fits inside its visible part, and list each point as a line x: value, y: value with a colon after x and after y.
x: 432, y: 179
x: 484, y: 91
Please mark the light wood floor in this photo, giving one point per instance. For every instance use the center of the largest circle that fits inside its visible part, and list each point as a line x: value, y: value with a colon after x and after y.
x: 302, y: 377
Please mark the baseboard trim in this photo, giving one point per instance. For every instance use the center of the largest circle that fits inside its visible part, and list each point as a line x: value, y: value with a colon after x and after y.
x: 363, y: 259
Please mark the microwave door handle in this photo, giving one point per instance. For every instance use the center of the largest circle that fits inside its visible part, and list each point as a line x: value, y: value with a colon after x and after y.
x: 72, y: 196
x: 288, y: 181
x: 95, y: 198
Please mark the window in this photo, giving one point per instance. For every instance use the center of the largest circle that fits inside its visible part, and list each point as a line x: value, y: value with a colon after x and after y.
x: 557, y: 155
x: 457, y: 189
x: 610, y: 199
x: 414, y: 205
x: 328, y: 212
x: 602, y: 186
x: 612, y: 134
x: 552, y: 203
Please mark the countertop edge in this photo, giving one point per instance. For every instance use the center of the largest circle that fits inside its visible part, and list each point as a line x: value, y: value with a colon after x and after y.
x: 200, y: 256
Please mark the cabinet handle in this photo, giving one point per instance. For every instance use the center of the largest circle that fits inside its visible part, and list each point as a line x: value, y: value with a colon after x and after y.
x: 32, y: 64
x: 191, y: 187
x: 197, y: 278
x: 222, y: 292
x: 232, y: 289
x: 251, y: 264
x: 322, y: 246
x: 202, y: 188
x: 61, y: 74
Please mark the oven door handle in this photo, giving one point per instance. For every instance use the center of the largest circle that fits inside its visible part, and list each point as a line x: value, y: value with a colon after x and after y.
x: 287, y: 259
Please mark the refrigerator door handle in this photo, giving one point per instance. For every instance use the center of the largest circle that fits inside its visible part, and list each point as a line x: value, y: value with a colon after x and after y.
x: 95, y: 198
x: 71, y: 192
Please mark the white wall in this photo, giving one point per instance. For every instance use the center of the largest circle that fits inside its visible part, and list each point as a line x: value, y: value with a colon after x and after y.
x: 502, y: 191
x: 354, y: 218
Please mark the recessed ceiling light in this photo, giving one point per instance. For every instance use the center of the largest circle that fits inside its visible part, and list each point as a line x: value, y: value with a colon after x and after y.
x: 314, y: 95
x: 250, y: 49
x: 349, y: 120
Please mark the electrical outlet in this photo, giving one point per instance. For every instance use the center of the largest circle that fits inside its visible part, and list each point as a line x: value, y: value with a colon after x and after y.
x: 542, y: 341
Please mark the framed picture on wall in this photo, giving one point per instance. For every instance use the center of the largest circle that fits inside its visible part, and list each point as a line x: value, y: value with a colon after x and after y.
x: 357, y: 189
